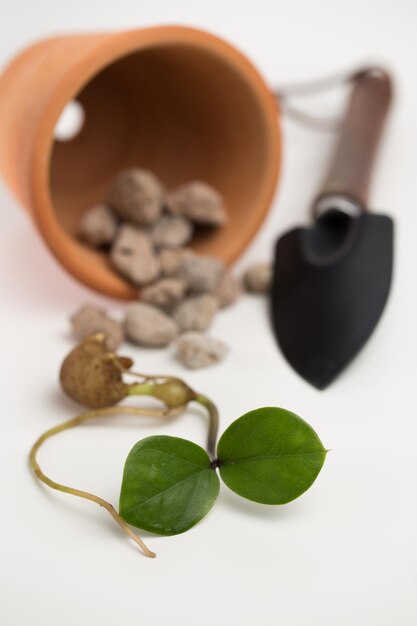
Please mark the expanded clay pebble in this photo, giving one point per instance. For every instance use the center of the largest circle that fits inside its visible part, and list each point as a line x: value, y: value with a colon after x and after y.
x: 171, y: 259
x: 197, y: 350
x: 196, y: 313
x: 179, y: 290
x: 228, y: 290
x: 198, y: 201
x: 137, y: 196
x: 172, y: 231
x: 258, y: 278
x: 133, y: 255
x: 201, y: 273
x: 98, y: 225
x: 148, y: 326
x: 165, y: 293
x: 90, y: 320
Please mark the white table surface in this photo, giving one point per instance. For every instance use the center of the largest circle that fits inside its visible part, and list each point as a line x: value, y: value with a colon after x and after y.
x: 345, y: 553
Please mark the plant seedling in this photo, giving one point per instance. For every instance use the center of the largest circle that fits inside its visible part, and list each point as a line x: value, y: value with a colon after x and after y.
x: 268, y: 455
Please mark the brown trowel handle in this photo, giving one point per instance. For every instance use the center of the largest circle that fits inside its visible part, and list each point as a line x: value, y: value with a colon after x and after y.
x: 350, y: 173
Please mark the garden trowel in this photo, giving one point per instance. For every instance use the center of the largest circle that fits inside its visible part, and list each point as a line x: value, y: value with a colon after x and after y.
x: 331, y: 281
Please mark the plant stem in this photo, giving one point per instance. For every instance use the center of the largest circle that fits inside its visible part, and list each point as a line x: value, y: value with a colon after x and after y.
x: 154, y: 378
x: 76, y: 421
x: 140, y: 389
x: 214, y: 421
x: 147, y: 388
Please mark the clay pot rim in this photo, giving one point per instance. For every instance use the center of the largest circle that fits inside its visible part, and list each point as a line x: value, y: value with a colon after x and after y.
x: 110, y: 48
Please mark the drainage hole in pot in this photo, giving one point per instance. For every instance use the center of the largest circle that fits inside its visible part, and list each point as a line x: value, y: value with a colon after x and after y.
x: 71, y: 121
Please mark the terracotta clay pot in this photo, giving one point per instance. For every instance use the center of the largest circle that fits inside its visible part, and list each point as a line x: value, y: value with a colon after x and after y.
x: 177, y: 101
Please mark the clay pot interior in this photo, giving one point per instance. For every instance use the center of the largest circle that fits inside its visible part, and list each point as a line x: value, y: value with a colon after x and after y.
x: 183, y: 114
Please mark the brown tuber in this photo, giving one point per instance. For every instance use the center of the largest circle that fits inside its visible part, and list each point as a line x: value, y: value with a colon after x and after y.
x: 92, y: 376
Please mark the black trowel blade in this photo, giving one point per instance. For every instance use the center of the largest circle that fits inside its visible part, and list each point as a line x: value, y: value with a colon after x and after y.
x: 330, y: 286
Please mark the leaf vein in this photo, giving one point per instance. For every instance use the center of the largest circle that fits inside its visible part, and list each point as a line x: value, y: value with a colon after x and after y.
x: 177, y: 458
x: 270, y: 456
x: 162, y: 493
x: 258, y: 425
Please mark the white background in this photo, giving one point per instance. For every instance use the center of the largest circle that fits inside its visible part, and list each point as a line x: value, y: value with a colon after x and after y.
x: 344, y: 553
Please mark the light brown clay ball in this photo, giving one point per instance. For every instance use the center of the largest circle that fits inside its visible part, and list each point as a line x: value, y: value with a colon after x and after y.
x: 137, y: 196
x: 165, y: 293
x: 133, y: 255
x: 198, y: 201
x: 172, y: 231
x: 258, y: 278
x: 98, y: 225
x: 196, y: 313
x: 90, y: 320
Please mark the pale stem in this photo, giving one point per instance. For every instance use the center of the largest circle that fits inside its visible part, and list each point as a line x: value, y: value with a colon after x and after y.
x: 146, y: 388
x: 76, y: 421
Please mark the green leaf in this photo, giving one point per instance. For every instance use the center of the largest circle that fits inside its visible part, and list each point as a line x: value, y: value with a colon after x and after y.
x: 270, y: 456
x: 168, y: 485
